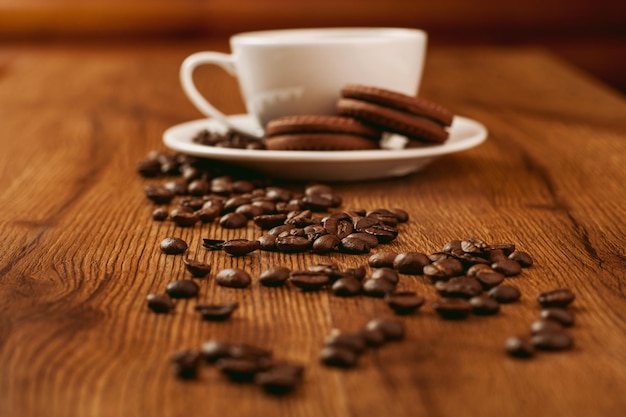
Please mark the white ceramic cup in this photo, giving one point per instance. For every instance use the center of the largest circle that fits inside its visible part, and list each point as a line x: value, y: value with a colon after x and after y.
x: 301, y: 71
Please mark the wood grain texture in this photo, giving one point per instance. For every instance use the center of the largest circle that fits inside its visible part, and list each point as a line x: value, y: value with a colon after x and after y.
x: 80, y: 250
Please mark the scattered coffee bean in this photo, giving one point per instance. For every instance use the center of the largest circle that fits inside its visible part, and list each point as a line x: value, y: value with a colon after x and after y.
x: 184, y: 288
x: 280, y: 379
x: 392, y: 329
x: 346, y: 286
x: 240, y: 247
x: 159, y: 194
x: 543, y: 326
x: 487, y: 277
x: 159, y: 214
x: 275, y: 276
x: 269, y: 221
x: 404, y: 302
x: 213, y: 350
x: 233, y: 221
x: 239, y: 369
x: 412, y: 263
x: 507, y: 267
x: 484, y: 305
x: 401, y: 214
x: 519, y: 348
x: 309, y: 280
x: 443, y: 269
x: 184, y: 218
x: 387, y: 274
x: 453, y: 308
x: 559, y: 315
x: 373, y: 337
x: 185, y: 363
x: 216, y: 312
x: 213, y: 244
x: 463, y: 287
x: 353, y: 245
x: 505, y: 294
x: 338, y: 356
x: 558, y: 340
x: 560, y: 297
x: 267, y: 243
x: 521, y: 258
x: 378, y: 287
x: 326, y: 243
x: 233, y: 278
x: 196, y: 268
x: 293, y: 244
x: 352, y: 341
x: 161, y: 304
x: 382, y: 259
x: 173, y: 246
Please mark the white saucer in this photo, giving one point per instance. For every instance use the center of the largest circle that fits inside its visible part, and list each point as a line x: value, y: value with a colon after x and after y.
x: 328, y: 166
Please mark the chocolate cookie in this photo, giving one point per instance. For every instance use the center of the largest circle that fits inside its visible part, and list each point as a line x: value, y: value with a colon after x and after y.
x: 320, y: 133
x: 413, y: 117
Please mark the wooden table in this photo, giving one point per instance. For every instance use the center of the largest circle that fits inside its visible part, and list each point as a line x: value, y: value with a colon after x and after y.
x: 80, y: 249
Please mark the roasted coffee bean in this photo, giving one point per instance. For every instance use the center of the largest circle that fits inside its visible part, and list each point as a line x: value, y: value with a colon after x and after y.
x: 453, y: 308
x: 248, y: 351
x: 216, y: 312
x: 543, y: 326
x: 353, y: 341
x: 326, y: 243
x: 268, y: 207
x: 184, y: 288
x: 505, y: 248
x: 505, y: 294
x: 359, y: 272
x: 519, y: 348
x: 484, y: 305
x: 222, y: 185
x: 185, y: 363
x: 173, y: 246
x: 149, y: 168
x: 233, y: 278
x: 275, y: 276
x: 353, y: 245
x: 293, y: 244
x: 319, y: 202
x: 249, y: 210
x: 268, y: 221
x: 314, y: 231
x: 443, y: 269
x: 497, y: 255
x: 362, y: 223
x: 560, y: 297
x: 267, y: 243
x: 382, y: 259
x: 507, y: 267
x: 412, y: 263
x: 208, y: 214
x: 382, y: 232
x: 401, y: 215
x: 559, y: 315
x: 521, y: 258
x: 488, y: 278
x: 404, y: 302
x: 459, y: 287
x: 161, y: 304
x: 451, y: 246
x: 373, y: 337
x: 196, y: 268
x: 213, y: 350
x: 327, y: 268
x: 242, y: 186
x: 233, y: 221
x: 558, y: 340
x: 392, y: 329
x: 346, y: 286
x: 159, y: 194
x: 183, y: 218
x: 233, y: 203
x: 277, y: 194
x: 308, y: 280
x: 239, y: 369
x: 378, y: 287
x: 279, y: 379
x: 198, y: 187
x: 338, y: 356
x: 240, y: 247
x: 213, y: 244
x: 194, y: 203
x: 474, y: 246
x: 383, y: 216
x: 159, y: 214
x: 371, y: 241
x: 340, y: 228
x: 387, y: 274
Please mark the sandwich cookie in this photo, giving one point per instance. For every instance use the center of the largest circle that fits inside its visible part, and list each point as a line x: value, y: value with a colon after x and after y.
x: 320, y: 133
x: 414, y: 117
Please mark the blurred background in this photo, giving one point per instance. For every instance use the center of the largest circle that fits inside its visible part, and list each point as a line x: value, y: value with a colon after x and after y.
x: 589, y: 33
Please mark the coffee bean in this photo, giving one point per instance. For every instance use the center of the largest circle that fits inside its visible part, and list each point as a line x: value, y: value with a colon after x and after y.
x: 279, y: 379
x: 159, y: 214
x: 184, y: 218
x: 373, y: 337
x: 505, y: 294
x: 346, y: 286
x: 352, y: 341
x: 497, y: 255
x: 249, y: 210
x: 382, y: 259
x: 293, y: 244
x: 483, y: 305
x: 240, y: 247
x: 216, y: 312
x: 173, y: 246
x: 161, y: 304
x: 213, y: 244
x: 404, y: 302
x: 233, y: 221
x: 185, y: 363
x: 338, y: 356
x: 387, y: 274
x: 505, y: 248
x: 308, y: 280
x: 196, y: 268
x: 159, y: 194
x: 392, y: 329
x: 507, y: 267
x: 401, y: 215
x: 382, y: 232
x: 383, y: 216
x: 233, y: 203
x: 149, y: 168
x: 326, y: 268
x: 378, y: 287
x: 488, y: 278
x: 358, y: 272
x: 453, y: 308
x: 233, y: 278
x: 239, y: 369
x: 521, y: 258
x: 474, y: 246
x: 558, y: 340
x: 371, y: 241
x: 314, y: 231
x: 275, y: 276
x: 443, y: 269
x: 353, y: 245
x: 326, y: 243
x: 184, y: 288
x: 213, y: 350
x: 543, y: 326
x: 411, y: 263
x: 463, y: 287
x: 208, y: 214
x: 198, y: 187
x: 267, y: 243
x: 560, y: 297
x: 519, y: 348
x: 559, y: 315
x: 362, y: 223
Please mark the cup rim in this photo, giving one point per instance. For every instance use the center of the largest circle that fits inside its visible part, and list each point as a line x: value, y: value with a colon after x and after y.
x: 326, y: 35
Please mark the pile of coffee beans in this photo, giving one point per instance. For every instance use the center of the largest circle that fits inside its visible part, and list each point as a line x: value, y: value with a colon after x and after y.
x: 548, y: 332
x: 227, y: 139
x: 242, y: 363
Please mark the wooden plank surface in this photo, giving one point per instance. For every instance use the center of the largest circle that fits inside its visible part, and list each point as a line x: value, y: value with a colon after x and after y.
x: 80, y: 250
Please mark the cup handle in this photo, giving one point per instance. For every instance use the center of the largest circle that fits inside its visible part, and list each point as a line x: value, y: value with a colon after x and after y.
x: 226, y: 62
